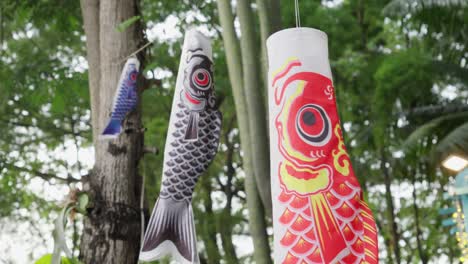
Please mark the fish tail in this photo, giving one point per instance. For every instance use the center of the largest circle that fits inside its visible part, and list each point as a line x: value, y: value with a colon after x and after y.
x: 113, y: 129
x: 191, y: 134
x: 171, y: 231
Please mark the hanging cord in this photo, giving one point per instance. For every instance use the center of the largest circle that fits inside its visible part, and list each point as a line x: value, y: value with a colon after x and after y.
x: 142, y: 208
x: 297, y: 12
x: 133, y: 54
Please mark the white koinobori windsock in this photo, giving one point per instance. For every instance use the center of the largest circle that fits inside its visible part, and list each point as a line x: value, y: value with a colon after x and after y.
x: 125, y: 99
x: 319, y: 215
x: 191, y: 144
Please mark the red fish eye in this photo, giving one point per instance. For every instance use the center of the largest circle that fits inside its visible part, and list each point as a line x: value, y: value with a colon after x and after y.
x: 313, y: 125
x: 201, y: 79
x: 201, y: 76
x: 133, y: 76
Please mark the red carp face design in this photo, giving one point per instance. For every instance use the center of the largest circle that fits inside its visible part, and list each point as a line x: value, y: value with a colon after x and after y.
x: 306, y: 128
x: 324, y: 217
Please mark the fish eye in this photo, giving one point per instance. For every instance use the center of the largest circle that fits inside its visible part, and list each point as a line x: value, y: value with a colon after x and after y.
x: 308, y: 118
x: 133, y: 76
x: 201, y: 78
x: 313, y: 125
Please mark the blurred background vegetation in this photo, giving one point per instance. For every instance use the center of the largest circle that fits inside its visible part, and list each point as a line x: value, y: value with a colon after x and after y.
x: 401, y: 76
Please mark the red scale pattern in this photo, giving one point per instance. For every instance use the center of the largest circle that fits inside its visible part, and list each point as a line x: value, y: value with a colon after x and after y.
x: 299, y: 202
x: 287, y: 217
x: 288, y: 239
x: 300, y: 224
x: 315, y: 256
x: 302, y: 247
x: 284, y: 197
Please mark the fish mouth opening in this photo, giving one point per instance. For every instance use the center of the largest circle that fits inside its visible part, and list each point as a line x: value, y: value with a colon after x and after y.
x: 195, y: 99
x: 300, y: 174
x: 200, y: 95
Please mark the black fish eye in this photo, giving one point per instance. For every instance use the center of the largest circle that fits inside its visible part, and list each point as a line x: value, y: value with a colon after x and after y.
x: 313, y: 125
x: 309, y: 118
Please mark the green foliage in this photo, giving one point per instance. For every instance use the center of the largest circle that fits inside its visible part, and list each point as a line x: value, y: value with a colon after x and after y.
x: 399, y: 7
x: 404, y: 77
x: 454, y: 142
x: 124, y: 25
x: 438, y: 127
x: 44, y: 108
x: 47, y: 259
x: 82, y: 203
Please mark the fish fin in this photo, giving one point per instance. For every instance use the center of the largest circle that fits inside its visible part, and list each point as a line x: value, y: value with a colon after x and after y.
x: 112, y: 130
x: 191, y: 134
x: 171, y: 231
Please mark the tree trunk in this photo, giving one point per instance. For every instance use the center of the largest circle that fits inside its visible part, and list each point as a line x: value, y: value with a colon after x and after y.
x: 112, y: 226
x: 257, y: 222
x: 255, y: 104
x: 417, y: 225
x: 388, y: 247
x: 90, y: 13
x: 208, y: 223
x: 270, y: 21
x: 390, y: 208
x: 225, y: 220
x: 225, y: 227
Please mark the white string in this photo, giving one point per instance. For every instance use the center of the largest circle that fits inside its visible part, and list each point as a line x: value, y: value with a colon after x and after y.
x: 138, y: 50
x: 124, y: 59
x: 297, y: 12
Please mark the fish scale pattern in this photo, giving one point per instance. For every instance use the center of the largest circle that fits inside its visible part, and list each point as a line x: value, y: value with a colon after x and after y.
x: 189, y: 159
x: 127, y: 97
x: 353, y: 216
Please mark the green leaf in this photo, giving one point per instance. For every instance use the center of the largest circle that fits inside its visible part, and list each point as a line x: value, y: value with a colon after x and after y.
x: 438, y: 126
x: 58, y: 104
x: 83, y: 200
x: 400, y: 7
x: 47, y: 259
x: 124, y: 25
x: 454, y: 142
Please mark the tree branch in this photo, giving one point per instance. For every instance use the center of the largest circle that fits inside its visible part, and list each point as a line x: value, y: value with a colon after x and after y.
x: 435, y: 110
x: 43, y: 175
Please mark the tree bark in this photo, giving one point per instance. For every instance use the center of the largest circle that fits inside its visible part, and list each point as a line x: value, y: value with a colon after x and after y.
x: 112, y: 226
x: 225, y: 230
x: 270, y: 21
x: 390, y: 208
x: 90, y: 13
x: 422, y: 254
x: 209, y: 223
x: 387, y: 242
x: 255, y: 104
x: 257, y: 222
x: 225, y: 220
